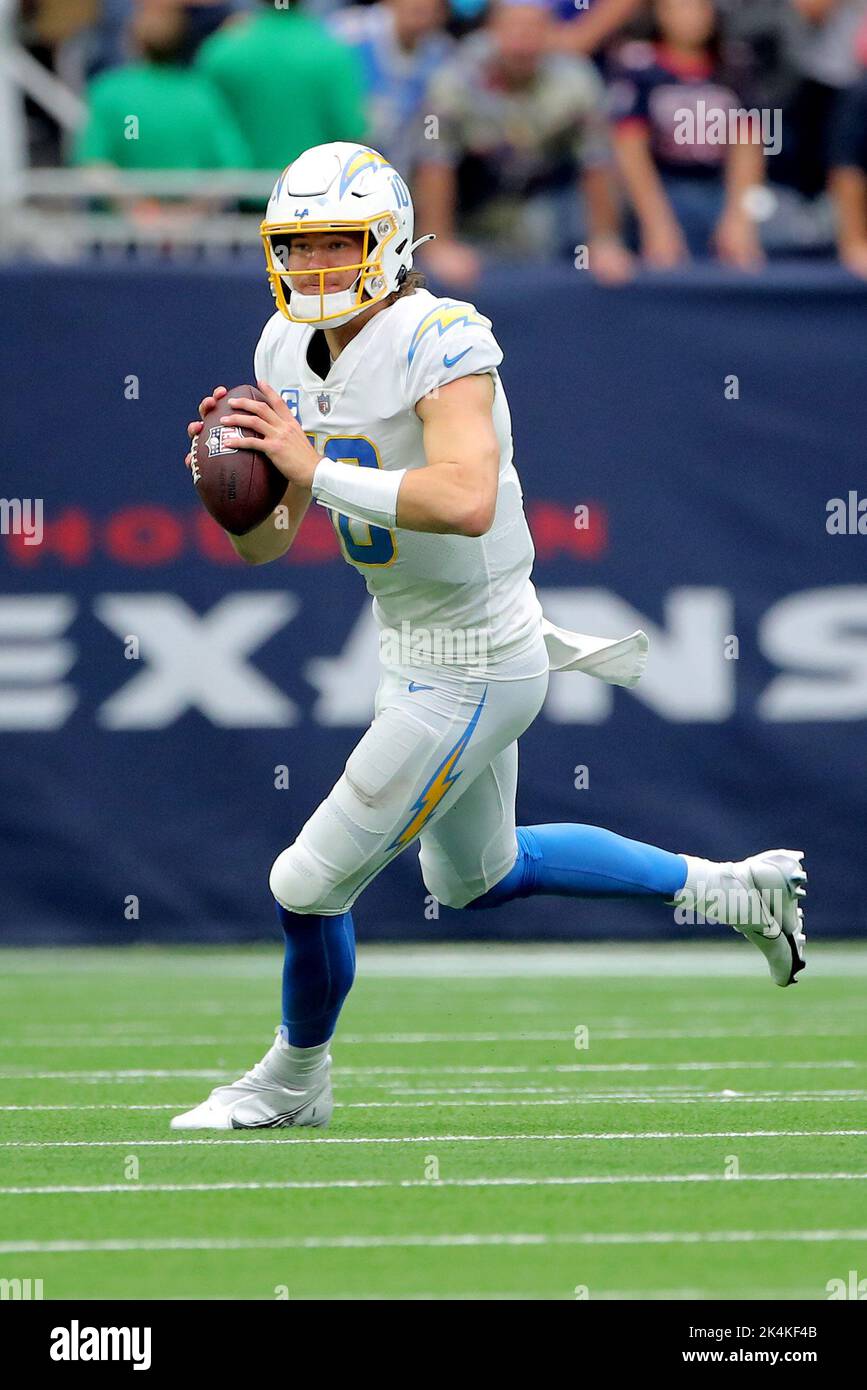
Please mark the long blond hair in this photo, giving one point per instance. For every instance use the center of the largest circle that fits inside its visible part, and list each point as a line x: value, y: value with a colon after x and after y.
x: 414, y: 280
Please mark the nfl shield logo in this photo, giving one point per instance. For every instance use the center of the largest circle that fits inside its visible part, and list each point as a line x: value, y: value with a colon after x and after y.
x: 216, y: 435
x: 323, y: 400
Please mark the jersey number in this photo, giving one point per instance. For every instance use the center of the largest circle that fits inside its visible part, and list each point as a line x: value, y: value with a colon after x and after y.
x: 378, y: 545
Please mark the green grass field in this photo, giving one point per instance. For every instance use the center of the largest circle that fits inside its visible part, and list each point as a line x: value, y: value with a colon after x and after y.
x: 475, y: 1151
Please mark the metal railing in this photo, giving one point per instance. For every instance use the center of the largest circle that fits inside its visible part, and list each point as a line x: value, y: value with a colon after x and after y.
x: 62, y: 215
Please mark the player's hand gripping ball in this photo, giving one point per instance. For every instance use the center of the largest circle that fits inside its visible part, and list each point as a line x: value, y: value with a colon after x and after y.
x: 239, y: 486
x: 249, y: 478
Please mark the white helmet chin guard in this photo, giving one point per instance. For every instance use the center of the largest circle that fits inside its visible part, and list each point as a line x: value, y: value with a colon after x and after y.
x: 339, y: 188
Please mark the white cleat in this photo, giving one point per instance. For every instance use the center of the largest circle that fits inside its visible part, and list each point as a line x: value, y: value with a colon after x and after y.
x: 760, y: 898
x: 266, y: 1097
x: 778, y: 879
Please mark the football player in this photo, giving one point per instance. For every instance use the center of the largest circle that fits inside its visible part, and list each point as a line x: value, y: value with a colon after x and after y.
x: 385, y: 406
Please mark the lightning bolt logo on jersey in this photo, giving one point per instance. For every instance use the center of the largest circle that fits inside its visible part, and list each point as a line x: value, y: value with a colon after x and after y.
x: 428, y: 582
x: 438, y: 321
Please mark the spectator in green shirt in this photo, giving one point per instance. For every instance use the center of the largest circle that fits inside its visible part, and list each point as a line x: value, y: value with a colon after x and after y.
x: 289, y: 83
x: 156, y: 114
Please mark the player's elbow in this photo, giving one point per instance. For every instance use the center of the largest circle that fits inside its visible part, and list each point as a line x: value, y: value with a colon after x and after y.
x: 466, y: 497
x: 253, y: 554
x: 477, y: 519
x: 249, y: 557
x: 478, y: 506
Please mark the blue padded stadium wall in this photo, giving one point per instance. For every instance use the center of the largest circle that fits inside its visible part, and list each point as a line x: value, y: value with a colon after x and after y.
x: 704, y: 421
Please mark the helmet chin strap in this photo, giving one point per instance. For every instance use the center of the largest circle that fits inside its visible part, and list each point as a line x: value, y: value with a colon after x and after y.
x: 342, y: 314
x: 338, y: 314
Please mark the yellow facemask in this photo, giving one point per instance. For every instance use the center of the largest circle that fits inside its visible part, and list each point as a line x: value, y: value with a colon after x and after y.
x: 368, y: 288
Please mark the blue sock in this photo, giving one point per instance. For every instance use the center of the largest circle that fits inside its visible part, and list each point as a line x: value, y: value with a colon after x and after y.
x: 585, y: 861
x: 318, y: 970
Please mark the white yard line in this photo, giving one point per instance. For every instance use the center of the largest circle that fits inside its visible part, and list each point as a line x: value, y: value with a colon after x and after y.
x: 120, y: 1040
x: 249, y: 1137
x: 734, y: 1099
x: 548, y: 1096
x: 577, y: 1093
x: 92, y: 1076
x: 106, y: 1105
x: 576, y: 1068
x: 373, y: 1242
x: 571, y: 1181
x: 120, y: 1034
x: 496, y: 1095
x: 130, y: 1074
x: 591, y: 1098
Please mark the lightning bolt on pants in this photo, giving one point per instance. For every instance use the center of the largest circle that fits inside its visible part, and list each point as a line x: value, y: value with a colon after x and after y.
x: 435, y: 735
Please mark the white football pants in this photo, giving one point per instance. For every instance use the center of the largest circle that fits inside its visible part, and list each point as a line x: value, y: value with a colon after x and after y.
x: 439, y: 764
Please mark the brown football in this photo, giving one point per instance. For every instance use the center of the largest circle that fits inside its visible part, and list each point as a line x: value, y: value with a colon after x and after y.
x: 239, y: 487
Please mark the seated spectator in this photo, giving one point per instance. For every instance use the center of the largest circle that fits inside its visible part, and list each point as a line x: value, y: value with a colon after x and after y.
x: 289, y: 83
x: 848, y: 154
x: 687, y: 190
x: 517, y: 131
x: 401, y: 44
x: 156, y: 113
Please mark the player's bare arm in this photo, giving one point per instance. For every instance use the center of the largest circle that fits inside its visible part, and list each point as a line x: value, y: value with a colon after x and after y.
x: 275, y: 535
x: 455, y: 494
x: 457, y: 491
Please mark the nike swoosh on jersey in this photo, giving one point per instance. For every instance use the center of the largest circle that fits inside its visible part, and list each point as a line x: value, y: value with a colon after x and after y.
x: 450, y: 361
x: 412, y: 686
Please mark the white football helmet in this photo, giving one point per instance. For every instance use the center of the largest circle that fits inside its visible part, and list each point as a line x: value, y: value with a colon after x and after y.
x: 339, y: 187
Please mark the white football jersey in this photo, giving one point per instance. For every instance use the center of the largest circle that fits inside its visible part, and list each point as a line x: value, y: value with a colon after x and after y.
x: 464, y: 600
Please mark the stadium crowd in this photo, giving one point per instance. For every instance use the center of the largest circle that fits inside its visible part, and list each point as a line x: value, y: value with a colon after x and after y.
x: 658, y: 129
